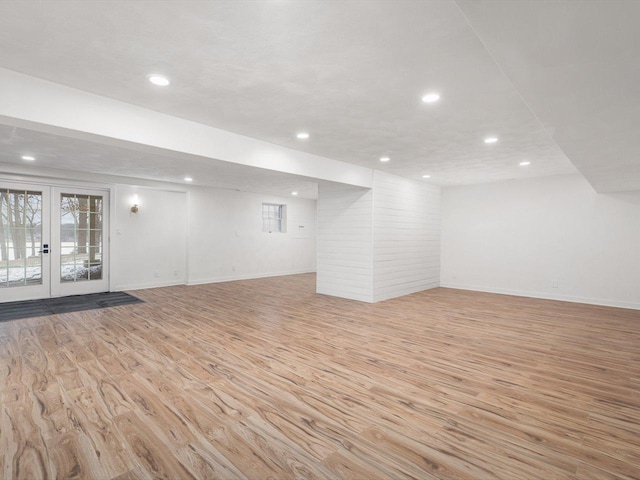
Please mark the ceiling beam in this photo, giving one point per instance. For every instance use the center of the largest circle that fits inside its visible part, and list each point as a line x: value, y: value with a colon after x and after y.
x: 36, y: 104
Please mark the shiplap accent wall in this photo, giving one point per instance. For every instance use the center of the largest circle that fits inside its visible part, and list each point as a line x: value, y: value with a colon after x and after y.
x: 344, y: 241
x: 406, y: 236
x: 381, y: 243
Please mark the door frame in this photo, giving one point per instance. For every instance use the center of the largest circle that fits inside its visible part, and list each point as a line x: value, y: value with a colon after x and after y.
x: 59, y: 289
x: 43, y: 290
x: 52, y: 183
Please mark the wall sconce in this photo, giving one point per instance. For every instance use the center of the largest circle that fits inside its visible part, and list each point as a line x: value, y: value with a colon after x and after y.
x: 135, y: 201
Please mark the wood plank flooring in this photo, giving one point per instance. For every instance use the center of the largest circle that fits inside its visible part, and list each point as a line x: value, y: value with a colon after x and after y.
x: 266, y: 379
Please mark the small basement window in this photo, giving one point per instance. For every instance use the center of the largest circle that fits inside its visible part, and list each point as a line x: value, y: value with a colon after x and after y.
x: 274, y: 218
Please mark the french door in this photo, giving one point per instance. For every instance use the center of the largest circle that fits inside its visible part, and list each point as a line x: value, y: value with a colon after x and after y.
x: 53, y: 241
x: 25, y: 271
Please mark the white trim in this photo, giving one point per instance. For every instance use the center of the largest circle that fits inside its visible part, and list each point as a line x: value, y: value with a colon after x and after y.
x: 372, y: 234
x: 59, y: 289
x: 54, y: 181
x: 187, y: 240
x: 144, y: 286
x: 546, y: 296
x: 391, y: 295
x: 24, y: 173
x: 42, y: 290
x: 250, y: 276
x: 348, y: 296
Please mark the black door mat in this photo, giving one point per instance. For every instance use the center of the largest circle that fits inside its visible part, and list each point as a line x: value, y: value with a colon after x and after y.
x: 53, y: 306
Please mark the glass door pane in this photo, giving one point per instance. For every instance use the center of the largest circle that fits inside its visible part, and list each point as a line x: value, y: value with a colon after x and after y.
x: 24, y: 229
x: 80, y: 237
x: 20, y: 238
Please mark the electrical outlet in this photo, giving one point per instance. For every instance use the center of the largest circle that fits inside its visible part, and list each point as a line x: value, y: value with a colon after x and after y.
x: 554, y: 283
x: 156, y: 274
x: 233, y: 269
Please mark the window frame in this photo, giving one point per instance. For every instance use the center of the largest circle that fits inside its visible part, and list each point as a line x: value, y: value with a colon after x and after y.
x: 274, y: 221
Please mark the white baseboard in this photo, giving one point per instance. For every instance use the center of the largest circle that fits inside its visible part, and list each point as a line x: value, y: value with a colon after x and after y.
x: 250, y: 276
x: 346, y: 296
x: 546, y: 296
x: 409, y: 291
x: 143, y: 286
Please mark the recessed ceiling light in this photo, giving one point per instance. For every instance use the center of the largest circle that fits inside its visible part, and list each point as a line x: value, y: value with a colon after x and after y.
x: 384, y: 159
x: 525, y: 163
x: 28, y: 158
x: 426, y: 176
x: 294, y: 193
x: 159, y: 80
x: 431, y: 97
x: 188, y: 179
x: 490, y: 140
x: 302, y: 135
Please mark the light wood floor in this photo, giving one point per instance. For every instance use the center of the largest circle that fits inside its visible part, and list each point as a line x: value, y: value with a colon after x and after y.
x: 266, y: 379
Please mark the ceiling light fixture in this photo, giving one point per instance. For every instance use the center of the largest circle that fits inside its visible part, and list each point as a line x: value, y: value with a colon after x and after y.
x: 188, y: 179
x: 490, y: 140
x: 159, y: 80
x: 302, y: 135
x: 431, y: 97
x: 384, y: 159
x: 426, y: 176
x: 294, y: 193
x: 28, y: 158
x: 525, y: 163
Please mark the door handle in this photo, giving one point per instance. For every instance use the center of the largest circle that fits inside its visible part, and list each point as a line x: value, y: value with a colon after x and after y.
x: 45, y: 248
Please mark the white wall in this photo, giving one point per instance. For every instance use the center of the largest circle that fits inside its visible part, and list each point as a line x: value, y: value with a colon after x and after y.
x: 148, y: 248
x: 406, y: 236
x: 380, y: 243
x: 187, y: 234
x: 520, y: 237
x: 344, y: 242
x: 226, y: 241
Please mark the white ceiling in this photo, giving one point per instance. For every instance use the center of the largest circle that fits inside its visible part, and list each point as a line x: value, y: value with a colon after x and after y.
x: 61, y: 153
x: 548, y: 78
x: 351, y: 73
x: 577, y: 65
